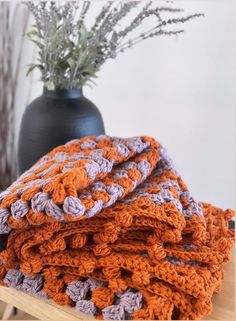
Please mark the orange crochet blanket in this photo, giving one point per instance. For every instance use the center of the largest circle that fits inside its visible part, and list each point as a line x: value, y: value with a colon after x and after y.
x: 107, y: 225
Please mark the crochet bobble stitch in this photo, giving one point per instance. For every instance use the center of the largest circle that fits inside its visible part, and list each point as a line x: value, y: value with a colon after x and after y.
x: 40, y: 191
x: 125, y: 303
x: 23, y: 282
x: 90, y: 164
x: 108, y: 226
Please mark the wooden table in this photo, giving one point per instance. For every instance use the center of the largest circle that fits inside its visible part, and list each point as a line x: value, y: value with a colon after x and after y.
x: 224, y: 302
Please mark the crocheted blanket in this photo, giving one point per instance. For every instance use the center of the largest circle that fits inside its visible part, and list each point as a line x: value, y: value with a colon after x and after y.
x: 107, y: 225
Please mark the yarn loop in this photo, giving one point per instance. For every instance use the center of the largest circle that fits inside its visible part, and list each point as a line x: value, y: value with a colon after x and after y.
x: 107, y: 225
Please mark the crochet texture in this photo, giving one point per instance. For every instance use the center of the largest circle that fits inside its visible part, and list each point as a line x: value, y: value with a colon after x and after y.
x: 107, y: 225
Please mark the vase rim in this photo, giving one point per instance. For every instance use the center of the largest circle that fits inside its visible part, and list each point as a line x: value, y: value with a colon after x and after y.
x: 63, y: 92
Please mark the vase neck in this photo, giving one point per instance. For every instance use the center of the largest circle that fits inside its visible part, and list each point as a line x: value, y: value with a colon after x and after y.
x: 63, y: 93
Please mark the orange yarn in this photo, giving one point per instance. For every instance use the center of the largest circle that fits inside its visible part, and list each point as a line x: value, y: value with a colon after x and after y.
x: 131, y: 244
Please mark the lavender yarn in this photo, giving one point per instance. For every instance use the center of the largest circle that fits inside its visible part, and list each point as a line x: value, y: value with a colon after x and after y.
x: 21, y: 190
x: 88, y: 144
x: 73, y: 206
x: 60, y: 157
x: 144, y: 167
x: 14, y: 277
x: 39, y: 202
x: 45, y: 182
x: 4, y: 229
x: 38, y: 165
x: 48, y: 170
x: 77, y: 290
x: 27, y: 174
x: 136, y: 144
x: 165, y: 163
x: 166, y: 158
x: 115, y: 189
x: 86, y: 306
x: 76, y: 157
x: 4, y: 214
x: 33, y: 183
x: 105, y: 164
x: 157, y: 198
x: 53, y: 210
x: 161, y: 167
x: 178, y: 205
x: 193, y: 208
x: 37, y: 182
x: 97, y: 186
x: 102, y: 137
x: 177, y: 262
x: 120, y: 174
x: 122, y: 149
x: 42, y: 294
x: 128, y: 165
x: 130, y: 301
x: 95, y: 154
x: 19, y: 209
x: 4, y: 194
x: 93, y: 169
x: 187, y: 196
x: 170, y: 183
x: 114, y: 312
x: 166, y: 195
x: 32, y: 284
x: 23, y: 282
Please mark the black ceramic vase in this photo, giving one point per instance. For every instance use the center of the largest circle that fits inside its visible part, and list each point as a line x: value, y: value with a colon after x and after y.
x: 53, y: 119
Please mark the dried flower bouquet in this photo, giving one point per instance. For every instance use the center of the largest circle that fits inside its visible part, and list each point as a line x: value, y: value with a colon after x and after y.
x: 71, y: 54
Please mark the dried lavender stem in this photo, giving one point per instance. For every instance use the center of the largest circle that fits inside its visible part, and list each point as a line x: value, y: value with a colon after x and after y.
x: 70, y: 54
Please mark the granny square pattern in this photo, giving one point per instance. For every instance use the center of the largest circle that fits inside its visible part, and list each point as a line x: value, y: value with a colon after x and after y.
x: 107, y: 225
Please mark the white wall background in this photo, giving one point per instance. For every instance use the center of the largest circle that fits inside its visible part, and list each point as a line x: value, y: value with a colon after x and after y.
x: 181, y: 91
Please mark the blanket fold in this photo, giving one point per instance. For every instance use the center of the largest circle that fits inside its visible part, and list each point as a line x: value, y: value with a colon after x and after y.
x: 107, y: 225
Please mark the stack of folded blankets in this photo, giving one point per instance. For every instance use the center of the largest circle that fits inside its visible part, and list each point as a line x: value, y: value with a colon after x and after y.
x: 107, y: 225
